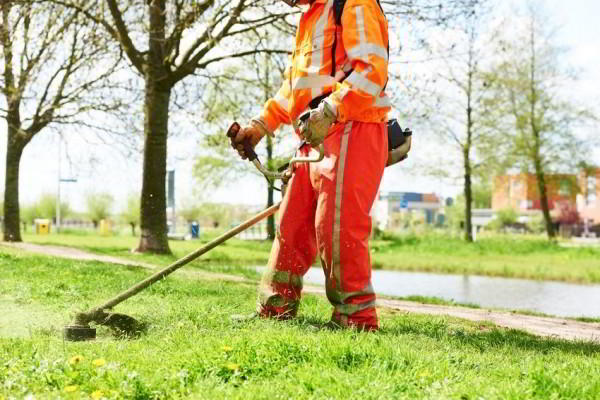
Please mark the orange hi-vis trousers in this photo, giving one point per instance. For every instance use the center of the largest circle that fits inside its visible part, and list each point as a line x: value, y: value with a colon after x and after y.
x: 325, y: 211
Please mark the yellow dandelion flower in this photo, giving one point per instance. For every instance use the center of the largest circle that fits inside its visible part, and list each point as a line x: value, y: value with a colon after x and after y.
x: 232, y: 366
x: 76, y: 359
x: 99, y: 362
x: 70, y: 388
x: 97, y: 395
x: 227, y: 348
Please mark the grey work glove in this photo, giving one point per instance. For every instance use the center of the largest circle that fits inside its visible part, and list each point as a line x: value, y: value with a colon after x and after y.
x: 315, y: 127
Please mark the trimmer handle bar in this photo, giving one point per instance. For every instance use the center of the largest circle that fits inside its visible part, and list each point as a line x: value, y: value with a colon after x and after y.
x: 253, y: 157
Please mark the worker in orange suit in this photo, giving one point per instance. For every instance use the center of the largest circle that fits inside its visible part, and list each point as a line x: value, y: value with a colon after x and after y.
x: 338, y: 70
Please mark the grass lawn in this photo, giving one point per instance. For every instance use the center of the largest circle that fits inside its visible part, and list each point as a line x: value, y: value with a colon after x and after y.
x: 509, y: 256
x: 192, y: 349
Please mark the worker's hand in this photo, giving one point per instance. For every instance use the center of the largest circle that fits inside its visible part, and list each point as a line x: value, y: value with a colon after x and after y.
x: 254, y: 132
x: 315, y: 127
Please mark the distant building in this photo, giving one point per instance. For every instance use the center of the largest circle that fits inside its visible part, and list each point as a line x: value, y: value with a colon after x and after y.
x: 588, y: 201
x: 520, y: 191
x: 393, y: 209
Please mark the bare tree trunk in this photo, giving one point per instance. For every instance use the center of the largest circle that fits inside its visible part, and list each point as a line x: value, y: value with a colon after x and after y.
x: 536, y: 155
x: 153, y: 216
x: 468, y: 201
x: 132, y: 228
x: 541, y: 180
x: 12, y: 223
x: 467, y: 151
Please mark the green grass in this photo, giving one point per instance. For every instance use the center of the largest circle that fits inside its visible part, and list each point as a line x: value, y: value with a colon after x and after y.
x: 508, y: 256
x: 193, y: 350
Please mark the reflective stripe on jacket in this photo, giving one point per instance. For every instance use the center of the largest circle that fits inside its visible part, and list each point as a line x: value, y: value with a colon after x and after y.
x: 361, y: 65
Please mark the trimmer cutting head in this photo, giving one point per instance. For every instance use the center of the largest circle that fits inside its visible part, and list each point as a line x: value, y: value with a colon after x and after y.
x: 78, y: 333
x: 122, y: 325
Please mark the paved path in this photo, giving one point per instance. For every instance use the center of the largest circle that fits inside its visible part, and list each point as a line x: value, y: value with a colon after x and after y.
x: 542, y: 326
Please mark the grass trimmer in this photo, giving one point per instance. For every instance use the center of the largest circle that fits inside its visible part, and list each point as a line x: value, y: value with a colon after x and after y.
x: 81, y: 328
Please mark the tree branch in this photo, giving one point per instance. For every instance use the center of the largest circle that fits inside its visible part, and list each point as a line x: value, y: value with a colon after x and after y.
x: 133, y: 54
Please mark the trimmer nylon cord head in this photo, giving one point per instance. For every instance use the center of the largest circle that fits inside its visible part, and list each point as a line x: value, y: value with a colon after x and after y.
x: 78, y: 333
x: 121, y: 324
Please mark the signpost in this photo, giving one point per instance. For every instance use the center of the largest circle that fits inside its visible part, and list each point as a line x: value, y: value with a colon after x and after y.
x: 60, y: 180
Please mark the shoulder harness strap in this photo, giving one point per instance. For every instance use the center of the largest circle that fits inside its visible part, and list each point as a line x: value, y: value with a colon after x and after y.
x: 338, y: 10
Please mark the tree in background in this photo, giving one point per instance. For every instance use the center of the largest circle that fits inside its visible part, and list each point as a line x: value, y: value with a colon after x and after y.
x: 189, y: 211
x: 98, y: 206
x: 131, y: 214
x: 455, y: 116
x: 43, y: 208
x: 28, y: 215
x: 537, y: 122
x: 165, y: 42
x: 504, y: 218
x: 46, y: 207
x: 53, y: 66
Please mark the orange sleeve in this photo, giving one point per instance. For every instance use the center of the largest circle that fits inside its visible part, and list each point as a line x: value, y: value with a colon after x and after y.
x: 275, y: 111
x: 365, y: 38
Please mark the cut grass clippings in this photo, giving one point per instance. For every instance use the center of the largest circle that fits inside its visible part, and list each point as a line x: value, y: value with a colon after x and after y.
x: 192, y: 349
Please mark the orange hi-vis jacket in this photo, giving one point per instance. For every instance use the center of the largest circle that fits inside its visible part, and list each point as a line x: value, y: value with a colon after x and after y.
x: 361, y: 60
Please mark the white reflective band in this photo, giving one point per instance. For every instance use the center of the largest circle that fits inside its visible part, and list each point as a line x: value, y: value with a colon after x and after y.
x: 347, y: 66
x: 360, y: 26
x: 316, y: 92
x: 312, y: 82
x: 282, y: 101
x: 336, y: 256
x: 383, y: 101
x: 357, y: 80
x: 318, y: 39
x: 363, y: 50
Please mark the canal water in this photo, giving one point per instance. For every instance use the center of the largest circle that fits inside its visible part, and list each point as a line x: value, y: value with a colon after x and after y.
x: 553, y: 298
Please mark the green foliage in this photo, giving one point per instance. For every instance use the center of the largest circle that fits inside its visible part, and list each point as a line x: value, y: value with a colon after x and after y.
x: 212, y: 171
x: 455, y: 214
x: 28, y: 214
x: 131, y: 214
x: 189, y: 211
x: 505, y: 217
x: 99, y: 206
x: 537, y: 224
x: 482, y: 194
x: 45, y: 207
x: 215, y: 214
